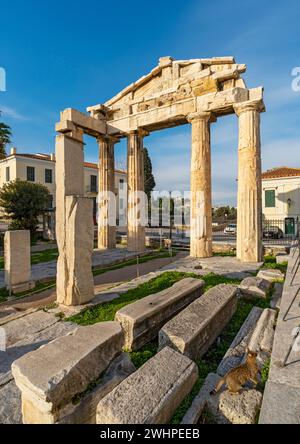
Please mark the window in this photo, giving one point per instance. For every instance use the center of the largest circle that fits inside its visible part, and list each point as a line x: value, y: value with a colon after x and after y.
x: 31, y: 174
x: 121, y: 204
x: 121, y: 184
x: 270, y: 199
x: 48, y: 176
x: 7, y: 174
x: 93, y: 184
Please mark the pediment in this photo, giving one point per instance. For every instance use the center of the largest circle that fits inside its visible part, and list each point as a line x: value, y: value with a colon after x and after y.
x: 173, y: 81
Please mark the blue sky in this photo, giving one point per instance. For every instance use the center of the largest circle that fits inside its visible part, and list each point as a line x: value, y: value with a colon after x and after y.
x: 60, y: 54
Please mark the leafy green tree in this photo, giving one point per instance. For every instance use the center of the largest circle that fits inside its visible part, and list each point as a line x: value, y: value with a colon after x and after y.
x: 5, y: 134
x: 229, y: 213
x: 149, y: 178
x: 23, y: 202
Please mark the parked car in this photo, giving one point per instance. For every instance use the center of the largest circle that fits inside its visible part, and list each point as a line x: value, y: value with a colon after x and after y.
x: 230, y: 229
x: 272, y: 232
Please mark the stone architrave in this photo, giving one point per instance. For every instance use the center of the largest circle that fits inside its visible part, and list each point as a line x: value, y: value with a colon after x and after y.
x: 136, y: 208
x: 249, y: 226
x: 17, y: 260
x: 201, y: 200
x: 73, y: 262
x: 107, y: 207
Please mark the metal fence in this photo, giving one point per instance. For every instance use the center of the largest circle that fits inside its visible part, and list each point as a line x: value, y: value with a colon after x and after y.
x: 274, y: 232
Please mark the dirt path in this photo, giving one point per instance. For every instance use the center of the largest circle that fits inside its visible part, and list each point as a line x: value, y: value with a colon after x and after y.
x: 102, y: 283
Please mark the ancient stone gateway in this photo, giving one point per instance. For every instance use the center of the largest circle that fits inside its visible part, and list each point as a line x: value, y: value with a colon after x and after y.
x: 176, y: 92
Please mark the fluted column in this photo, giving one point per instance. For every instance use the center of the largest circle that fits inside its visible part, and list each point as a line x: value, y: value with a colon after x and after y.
x: 136, y: 207
x: 201, y: 200
x: 107, y: 200
x: 249, y: 224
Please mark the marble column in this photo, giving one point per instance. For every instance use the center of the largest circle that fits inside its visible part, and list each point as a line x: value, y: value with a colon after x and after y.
x: 107, y: 198
x: 136, y: 206
x: 249, y: 224
x: 201, y: 199
x: 74, y: 229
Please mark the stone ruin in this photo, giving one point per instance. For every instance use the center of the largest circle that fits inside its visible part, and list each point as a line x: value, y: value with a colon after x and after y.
x: 176, y: 92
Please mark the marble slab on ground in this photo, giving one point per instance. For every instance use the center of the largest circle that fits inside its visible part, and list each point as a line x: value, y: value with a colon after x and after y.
x: 223, y: 265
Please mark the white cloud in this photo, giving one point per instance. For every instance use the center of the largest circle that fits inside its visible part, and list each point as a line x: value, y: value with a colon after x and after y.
x: 11, y: 112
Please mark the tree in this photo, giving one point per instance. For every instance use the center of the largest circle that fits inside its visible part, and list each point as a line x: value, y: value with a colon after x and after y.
x: 23, y: 202
x: 5, y: 134
x: 149, y: 178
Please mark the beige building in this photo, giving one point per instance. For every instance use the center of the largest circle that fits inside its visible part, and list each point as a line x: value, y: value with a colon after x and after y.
x: 281, y: 197
x: 40, y: 168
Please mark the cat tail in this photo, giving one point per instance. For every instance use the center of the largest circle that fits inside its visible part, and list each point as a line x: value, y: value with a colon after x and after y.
x: 218, y: 386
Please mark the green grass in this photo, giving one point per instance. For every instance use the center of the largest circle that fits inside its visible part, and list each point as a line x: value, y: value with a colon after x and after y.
x: 40, y: 286
x: 144, y: 354
x: 37, y: 258
x: 106, y: 312
x: 270, y: 263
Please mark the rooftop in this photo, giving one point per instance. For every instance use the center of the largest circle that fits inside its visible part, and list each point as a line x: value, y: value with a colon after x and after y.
x: 51, y: 158
x: 281, y: 172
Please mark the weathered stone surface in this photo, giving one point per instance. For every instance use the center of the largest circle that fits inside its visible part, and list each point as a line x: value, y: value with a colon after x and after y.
x: 10, y: 404
x: 106, y: 231
x: 255, y: 286
x: 17, y: 258
x: 270, y: 275
x: 50, y: 376
x: 235, y: 409
x: 280, y: 404
x: 152, y: 393
x: 263, y: 335
x: 276, y: 297
x: 194, y: 329
x: 29, y: 343
x: 193, y: 414
x: 201, y: 197
x: 142, y: 320
x: 282, y: 258
x: 136, y: 211
x: 77, y: 285
x: 236, y: 352
x: 249, y: 234
x: 27, y: 325
x: 84, y: 412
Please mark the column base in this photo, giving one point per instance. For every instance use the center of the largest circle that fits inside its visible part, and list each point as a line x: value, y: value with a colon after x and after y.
x: 201, y: 248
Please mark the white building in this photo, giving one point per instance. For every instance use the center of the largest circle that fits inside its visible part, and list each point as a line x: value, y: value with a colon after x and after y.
x: 281, y: 197
x: 40, y: 168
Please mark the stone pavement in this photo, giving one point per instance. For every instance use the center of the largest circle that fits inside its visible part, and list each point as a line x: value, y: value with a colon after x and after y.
x: 101, y: 258
x: 227, y: 266
x: 281, y: 402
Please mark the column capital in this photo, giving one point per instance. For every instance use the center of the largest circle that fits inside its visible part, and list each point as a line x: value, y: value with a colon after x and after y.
x: 207, y: 116
x: 108, y: 139
x: 67, y: 128
x: 141, y: 132
x: 250, y: 105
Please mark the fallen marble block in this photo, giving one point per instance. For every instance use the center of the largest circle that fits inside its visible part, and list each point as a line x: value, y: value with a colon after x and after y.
x: 195, y: 328
x: 50, y: 377
x: 151, y: 394
x: 255, y: 287
x: 142, y: 320
x: 271, y: 274
x: 242, y: 408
